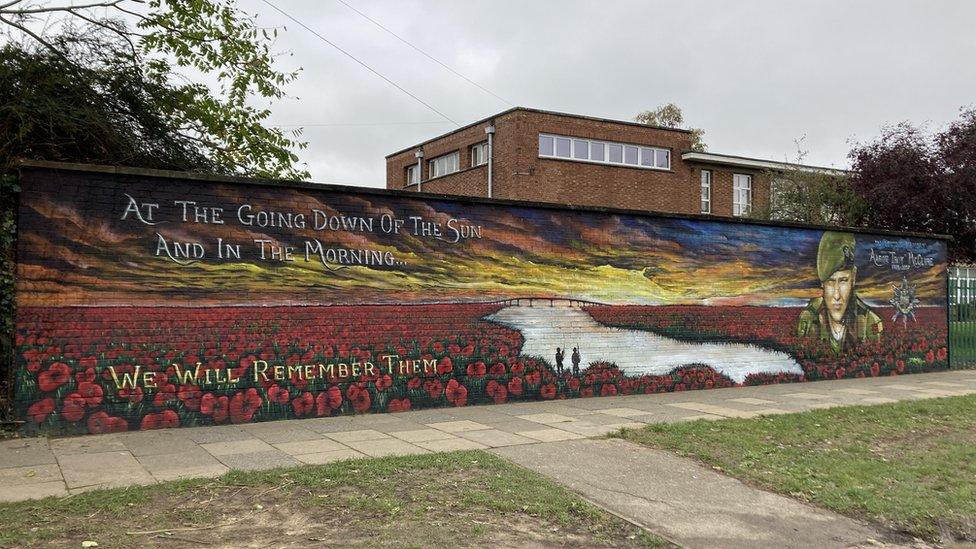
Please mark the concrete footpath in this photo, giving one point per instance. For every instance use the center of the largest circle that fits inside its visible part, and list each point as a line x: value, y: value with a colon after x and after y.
x: 39, y: 467
x: 686, y: 503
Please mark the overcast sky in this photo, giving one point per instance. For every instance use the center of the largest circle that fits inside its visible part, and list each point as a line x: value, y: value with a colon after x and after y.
x: 755, y: 75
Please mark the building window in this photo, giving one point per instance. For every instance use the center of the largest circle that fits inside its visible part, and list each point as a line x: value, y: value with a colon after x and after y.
x: 413, y: 175
x: 546, y: 145
x: 443, y: 165
x: 741, y: 194
x: 588, y: 150
x: 706, y: 191
x: 479, y: 154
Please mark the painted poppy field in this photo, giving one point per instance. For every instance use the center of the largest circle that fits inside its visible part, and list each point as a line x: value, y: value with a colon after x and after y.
x: 110, y: 369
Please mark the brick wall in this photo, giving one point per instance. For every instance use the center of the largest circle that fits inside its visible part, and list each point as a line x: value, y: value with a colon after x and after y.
x: 150, y: 300
x: 520, y: 174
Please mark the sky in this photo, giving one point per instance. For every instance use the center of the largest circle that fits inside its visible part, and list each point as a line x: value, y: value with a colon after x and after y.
x: 112, y: 256
x: 755, y: 75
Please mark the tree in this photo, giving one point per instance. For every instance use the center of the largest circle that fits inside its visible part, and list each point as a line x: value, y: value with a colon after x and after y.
x: 916, y: 181
x: 811, y: 195
x: 210, y: 39
x: 670, y: 116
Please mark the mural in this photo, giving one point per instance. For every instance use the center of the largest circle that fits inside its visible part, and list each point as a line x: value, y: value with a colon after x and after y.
x: 148, y: 303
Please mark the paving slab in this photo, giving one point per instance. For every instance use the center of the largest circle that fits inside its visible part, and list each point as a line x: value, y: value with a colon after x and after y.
x: 550, y: 435
x: 195, y: 464
x: 310, y: 446
x: 148, y: 443
x: 21, y: 492
x: 450, y: 445
x: 493, y: 438
x: 89, y: 444
x: 102, y: 470
x: 694, y: 506
x: 423, y: 435
x: 458, y: 426
x: 273, y: 432
x: 548, y: 418
x: 31, y: 474
x: 321, y: 458
x: 753, y: 401
x: 386, y: 447
x: 360, y: 435
x: 247, y: 446
x: 221, y: 433
x: 256, y: 461
x: 25, y: 451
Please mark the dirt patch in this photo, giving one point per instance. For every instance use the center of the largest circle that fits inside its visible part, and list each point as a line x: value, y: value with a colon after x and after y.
x: 471, y: 502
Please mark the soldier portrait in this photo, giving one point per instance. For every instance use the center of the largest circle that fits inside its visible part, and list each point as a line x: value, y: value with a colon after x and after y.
x: 838, y: 316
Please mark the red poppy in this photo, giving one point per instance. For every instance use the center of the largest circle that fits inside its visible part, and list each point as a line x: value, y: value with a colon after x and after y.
x: 445, y: 366
x: 87, y: 375
x: 101, y: 422
x: 586, y: 392
x: 88, y: 363
x: 398, y: 405
x: 384, y: 382
x: 359, y: 398
x: 434, y: 388
x: 278, y: 395
x: 216, y: 407
x: 55, y: 376
x: 244, y: 404
x: 500, y: 394
x: 477, y: 369
x: 574, y: 383
x: 39, y: 411
x: 839, y: 373
x: 497, y: 370
x: 533, y: 378
x: 303, y: 404
x: 167, y: 419
x: 190, y: 395
x: 518, y: 369
x: 164, y: 395
x: 132, y: 394
x: 74, y: 407
x: 515, y: 386
x: 414, y: 383
x: 328, y: 400
x: 608, y: 389
x: 548, y: 391
x: 457, y: 394
x: 91, y: 392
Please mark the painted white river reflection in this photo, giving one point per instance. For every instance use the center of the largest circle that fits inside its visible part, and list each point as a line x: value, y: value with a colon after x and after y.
x: 635, y: 352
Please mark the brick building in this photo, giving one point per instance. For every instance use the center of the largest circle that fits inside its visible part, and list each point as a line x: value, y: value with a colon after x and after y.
x: 530, y: 154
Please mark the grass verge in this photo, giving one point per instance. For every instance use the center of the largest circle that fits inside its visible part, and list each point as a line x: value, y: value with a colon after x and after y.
x: 438, y: 500
x: 910, y: 466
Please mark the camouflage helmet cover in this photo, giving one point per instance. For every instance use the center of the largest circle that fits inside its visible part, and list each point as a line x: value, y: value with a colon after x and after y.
x: 835, y: 253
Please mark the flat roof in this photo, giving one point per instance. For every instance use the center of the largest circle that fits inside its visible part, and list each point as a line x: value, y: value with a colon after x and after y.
x: 746, y: 162
x: 537, y: 111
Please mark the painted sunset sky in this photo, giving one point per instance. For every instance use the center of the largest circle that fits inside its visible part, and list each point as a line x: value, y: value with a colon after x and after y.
x: 76, y: 250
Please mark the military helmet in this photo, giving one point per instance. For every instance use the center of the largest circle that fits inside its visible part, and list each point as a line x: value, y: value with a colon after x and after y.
x: 835, y: 253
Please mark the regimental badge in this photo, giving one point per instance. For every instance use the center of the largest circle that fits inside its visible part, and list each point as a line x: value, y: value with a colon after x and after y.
x: 904, y: 300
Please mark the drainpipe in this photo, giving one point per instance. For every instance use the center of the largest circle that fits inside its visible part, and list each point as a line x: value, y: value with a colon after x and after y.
x: 490, y: 130
x: 420, y: 167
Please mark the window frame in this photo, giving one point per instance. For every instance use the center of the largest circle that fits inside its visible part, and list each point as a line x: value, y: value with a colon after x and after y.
x: 432, y: 165
x: 705, y: 180
x: 482, y: 146
x: 606, y: 146
x: 740, y: 209
x: 412, y: 169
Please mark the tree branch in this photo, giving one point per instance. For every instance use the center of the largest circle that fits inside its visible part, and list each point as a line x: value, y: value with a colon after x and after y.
x: 52, y: 9
x: 30, y: 33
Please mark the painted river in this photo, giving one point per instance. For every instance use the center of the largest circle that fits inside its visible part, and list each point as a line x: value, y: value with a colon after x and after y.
x: 635, y: 352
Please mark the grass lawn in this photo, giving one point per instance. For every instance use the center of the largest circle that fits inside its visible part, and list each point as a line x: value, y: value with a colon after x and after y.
x: 910, y: 466
x: 438, y: 500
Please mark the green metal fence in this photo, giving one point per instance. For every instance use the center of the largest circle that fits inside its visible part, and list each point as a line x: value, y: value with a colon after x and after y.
x: 962, y: 317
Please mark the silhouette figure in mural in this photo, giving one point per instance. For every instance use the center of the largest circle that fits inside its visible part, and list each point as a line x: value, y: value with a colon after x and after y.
x: 839, y: 316
x: 559, y: 360
x: 576, y: 361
